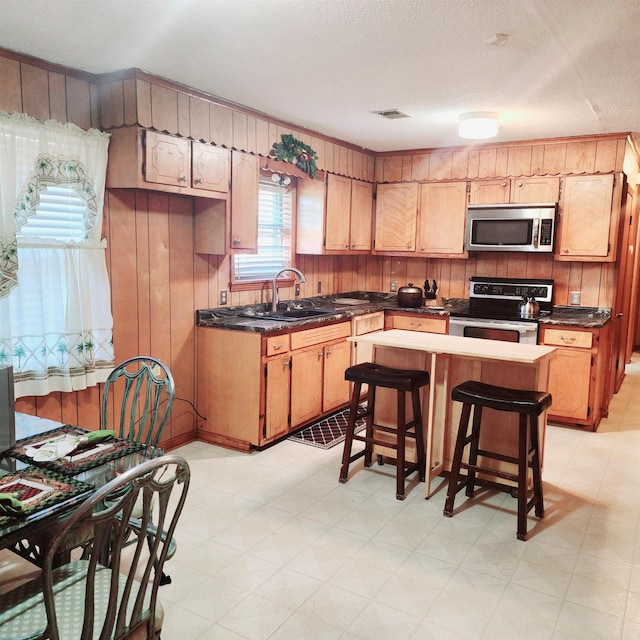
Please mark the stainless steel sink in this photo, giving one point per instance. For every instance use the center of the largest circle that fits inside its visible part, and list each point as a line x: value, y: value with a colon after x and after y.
x: 288, y: 315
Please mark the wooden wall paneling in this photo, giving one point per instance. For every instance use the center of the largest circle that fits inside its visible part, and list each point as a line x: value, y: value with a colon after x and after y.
x: 164, y: 109
x: 416, y: 272
x: 78, y: 102
x: 392, y: 169
x: 274, y: 135
x: 112, y: 104
x: 591, y: 277
x: 199, y: 119
x: 240, y: 137
x: 517, y: 265
x: 252, y: 138
x: 460, y: 164
x: 554, y: 158
x: 50, y: 406
x: 124, y: 267
x: 221, y: 125
x: 181, y: 294
x: 350, y: 161
x: 357, y: 168
x: 420, y: 167
x: 474, y: 163
x: 607, y: 285
x: 94, y: 98
x: 407, y: 163
x: 328, y: 156
x: 575, y: 281
x: 143, y: 100
x: 537, y: 159
x: 487, y: 163
x: 201, y: 281
x: 317, y: 144
x: 57, y: 97
x: 580, y: 157
x: 561, y: 276
x: 343, y: 160
x: 184, y: 115
x: 130, y: 101
x: 35, y: 91
x: 69, y: 407
x: 539, y: 266
x: 487, y: 264
x: 378, y: 169
x: 263, y: 143
x: 440, y: 165
x: 606, y: 156
x: 88, y: 407
x: 458, y: 279
x: 11, y: 94
x: 519, y: 161
x: 501, y: 161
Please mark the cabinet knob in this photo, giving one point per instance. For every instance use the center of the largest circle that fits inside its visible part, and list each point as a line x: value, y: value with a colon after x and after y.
x: 182, y: 178
x: 520, y: 183
x: 619, y: 316
x: 328, y: 352
x: 568, y: 339
x: 409, y: 245
x: 416, y: 324
x: 278, y: 346
x: 565, y: 249
x: 422, y: 248
x: 504, y: 184
x: 353, y: 245
x: 236, y: 241
x: 198, y: 181
x: 346, y: 246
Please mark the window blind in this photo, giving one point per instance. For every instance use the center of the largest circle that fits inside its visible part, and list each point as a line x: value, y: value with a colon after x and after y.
x: 274, y: 234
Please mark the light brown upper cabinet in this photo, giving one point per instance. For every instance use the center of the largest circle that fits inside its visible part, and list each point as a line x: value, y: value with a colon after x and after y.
x: 334, y: 217
x: 589, y: 217
x: 515, y: 190
x: 396, y: 217
x: 441, y: 219
x: 143, y: 159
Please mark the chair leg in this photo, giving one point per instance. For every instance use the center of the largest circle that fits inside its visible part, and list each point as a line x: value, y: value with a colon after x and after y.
x: 351, y: 424
x: 473, y: 449
x: 417, y: 417
x: 457, y: 460
x: 523, y: 466
x: 401, y: 422
x: 537, y: 474
x: 371, y: 405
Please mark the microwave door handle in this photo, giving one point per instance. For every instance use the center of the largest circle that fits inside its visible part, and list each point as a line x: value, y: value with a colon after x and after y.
x: 535, y: 232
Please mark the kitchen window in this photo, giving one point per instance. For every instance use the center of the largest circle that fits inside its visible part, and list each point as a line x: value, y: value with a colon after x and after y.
x: 275, y: 233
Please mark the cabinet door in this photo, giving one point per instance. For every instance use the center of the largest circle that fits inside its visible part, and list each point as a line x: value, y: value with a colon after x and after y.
x: 210, y: 169
x: 168, y: 159
x: 442, y: 218
x: 244, y: 202
x: 337, y: 358
x: 396, y: 217
x: 586, y: 217
x: 306, y: 385
x: 569, y: 380
x: 490, y: 192
x: 338, y: 213
x: 361, y: 215
x: 530, y: 190
x: 277, y: 395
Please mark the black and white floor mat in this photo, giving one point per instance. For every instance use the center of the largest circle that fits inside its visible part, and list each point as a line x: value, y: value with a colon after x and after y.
x: 329, y: 431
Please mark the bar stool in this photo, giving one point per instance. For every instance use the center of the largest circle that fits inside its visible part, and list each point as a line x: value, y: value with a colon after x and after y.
x: 403, y: 380
x: 528, y: 404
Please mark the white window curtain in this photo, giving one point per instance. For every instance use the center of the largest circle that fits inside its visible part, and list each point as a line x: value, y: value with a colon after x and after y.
x: 56, y: 327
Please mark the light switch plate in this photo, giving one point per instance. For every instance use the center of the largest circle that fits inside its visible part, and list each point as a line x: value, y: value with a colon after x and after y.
x: 575, y: 297
x: 394, y: 285
x: 223, y: 296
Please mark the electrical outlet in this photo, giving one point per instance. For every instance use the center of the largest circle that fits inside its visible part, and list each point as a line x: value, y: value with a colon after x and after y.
x: 223, y: 296
x: 319, y: 286
x: 297, y: 290
x: 394, y: 286
x: 575, y: 297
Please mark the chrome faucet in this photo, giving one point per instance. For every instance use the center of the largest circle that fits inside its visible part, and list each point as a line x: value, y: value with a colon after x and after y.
x: 276, y: 297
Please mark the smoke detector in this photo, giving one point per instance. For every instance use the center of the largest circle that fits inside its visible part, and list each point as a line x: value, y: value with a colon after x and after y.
x: 392, y: 114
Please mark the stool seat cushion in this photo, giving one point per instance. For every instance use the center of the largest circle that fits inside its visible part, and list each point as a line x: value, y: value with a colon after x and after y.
x: 378, y: 375
x: 531, y: 403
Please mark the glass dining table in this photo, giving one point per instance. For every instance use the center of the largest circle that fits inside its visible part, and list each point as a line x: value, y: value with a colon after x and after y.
x: 49, y: 490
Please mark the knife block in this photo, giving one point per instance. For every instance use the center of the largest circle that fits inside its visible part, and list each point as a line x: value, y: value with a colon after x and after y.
x: 7, y: 409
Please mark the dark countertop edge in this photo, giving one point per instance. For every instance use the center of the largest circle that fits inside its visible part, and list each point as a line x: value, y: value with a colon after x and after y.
x: 587, y: 317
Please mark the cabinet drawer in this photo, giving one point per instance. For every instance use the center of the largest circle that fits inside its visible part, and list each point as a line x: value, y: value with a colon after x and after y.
x: 277, y: 344
x: 368, y: 323
x: 309, y: 337
x: 419, y: 323
x: 565, y: 338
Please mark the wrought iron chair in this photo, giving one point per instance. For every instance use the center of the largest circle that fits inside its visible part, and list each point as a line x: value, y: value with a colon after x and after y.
x: 137, y: 399
x: 99, y: 596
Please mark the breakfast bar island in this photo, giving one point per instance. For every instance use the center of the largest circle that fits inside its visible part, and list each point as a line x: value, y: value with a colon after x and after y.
x: 451, y: 360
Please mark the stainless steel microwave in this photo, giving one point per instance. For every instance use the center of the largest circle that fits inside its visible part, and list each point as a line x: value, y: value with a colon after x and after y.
x: 510, y: 227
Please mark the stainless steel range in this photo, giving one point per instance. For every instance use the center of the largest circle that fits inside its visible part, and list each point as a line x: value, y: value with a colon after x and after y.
x: 495, y: 309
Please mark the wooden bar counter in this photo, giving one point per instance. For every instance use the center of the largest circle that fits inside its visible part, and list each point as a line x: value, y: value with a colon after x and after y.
x: 451, y: 360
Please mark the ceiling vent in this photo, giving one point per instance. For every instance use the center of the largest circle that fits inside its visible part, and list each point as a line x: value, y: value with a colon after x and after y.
x: 392, y: 114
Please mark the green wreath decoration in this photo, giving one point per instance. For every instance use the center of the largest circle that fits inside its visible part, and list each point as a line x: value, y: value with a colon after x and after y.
x: 292, y: 150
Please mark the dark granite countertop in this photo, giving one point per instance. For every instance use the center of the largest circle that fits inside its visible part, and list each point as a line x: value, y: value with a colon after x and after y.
x: 344, y: 306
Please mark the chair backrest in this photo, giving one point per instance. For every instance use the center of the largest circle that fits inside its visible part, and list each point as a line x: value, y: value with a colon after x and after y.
x: 117, y: 591
x: 139, y: 394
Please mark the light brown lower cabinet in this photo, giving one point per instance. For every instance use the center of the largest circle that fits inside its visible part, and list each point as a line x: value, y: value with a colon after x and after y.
x: 254, y: 389
x: 577, y: 374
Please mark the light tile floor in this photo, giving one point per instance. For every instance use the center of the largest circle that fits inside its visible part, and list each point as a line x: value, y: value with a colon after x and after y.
x: 270, y: 545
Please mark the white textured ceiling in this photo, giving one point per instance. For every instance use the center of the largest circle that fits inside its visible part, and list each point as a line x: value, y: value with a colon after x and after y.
x: 569, y: 67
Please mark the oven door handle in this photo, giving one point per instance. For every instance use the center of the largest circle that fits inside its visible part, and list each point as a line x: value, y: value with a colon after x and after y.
x: 523, y: 328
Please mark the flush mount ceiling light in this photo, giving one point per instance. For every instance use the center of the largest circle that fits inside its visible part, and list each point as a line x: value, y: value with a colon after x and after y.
x: 478, y: 125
